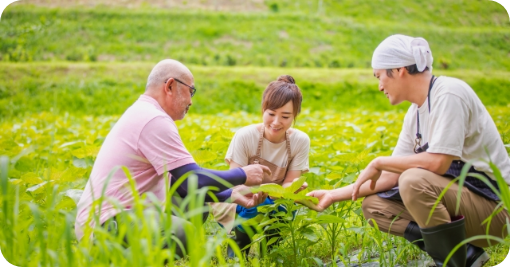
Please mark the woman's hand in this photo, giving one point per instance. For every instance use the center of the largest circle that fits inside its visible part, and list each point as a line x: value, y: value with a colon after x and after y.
x: 243, y: 196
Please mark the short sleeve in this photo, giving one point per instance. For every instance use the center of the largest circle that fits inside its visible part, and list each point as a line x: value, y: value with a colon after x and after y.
x: 405, y: 145
x: 300, y: 161
x: 162, y: 146
x: 447, y: 125
x: 238, y: 149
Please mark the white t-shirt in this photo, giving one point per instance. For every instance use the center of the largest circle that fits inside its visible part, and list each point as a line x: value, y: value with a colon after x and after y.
x: 245, y: 142
x: 458, y: 125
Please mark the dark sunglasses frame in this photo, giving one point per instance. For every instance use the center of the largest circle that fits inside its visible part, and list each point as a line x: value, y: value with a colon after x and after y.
x: 193, y: 89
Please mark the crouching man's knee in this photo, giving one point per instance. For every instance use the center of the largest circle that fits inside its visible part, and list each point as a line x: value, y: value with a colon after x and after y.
x: 371, y: 207
x: 413, y: 181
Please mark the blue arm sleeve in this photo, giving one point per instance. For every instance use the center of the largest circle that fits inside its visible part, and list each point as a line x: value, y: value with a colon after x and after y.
x: 234, y: 176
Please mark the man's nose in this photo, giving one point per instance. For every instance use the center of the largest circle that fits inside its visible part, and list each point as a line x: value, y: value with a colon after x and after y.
x: 380, y: 87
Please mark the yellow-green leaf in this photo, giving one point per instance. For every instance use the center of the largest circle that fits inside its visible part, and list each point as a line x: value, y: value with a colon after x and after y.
x: 31, y: 178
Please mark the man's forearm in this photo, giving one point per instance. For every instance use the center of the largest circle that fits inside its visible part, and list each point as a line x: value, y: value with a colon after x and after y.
x: 233, y: 177
x: 437, y: 163
x: 224, y: 195
x: 386, y: 182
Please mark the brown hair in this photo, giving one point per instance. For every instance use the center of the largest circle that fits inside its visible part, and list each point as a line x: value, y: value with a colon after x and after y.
x: 280, y: 92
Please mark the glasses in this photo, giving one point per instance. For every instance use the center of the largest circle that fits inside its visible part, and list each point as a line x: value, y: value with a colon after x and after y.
x: 193, y: 89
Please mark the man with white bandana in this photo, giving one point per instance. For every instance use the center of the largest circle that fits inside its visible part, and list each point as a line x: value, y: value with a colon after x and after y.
x: 446, y: 128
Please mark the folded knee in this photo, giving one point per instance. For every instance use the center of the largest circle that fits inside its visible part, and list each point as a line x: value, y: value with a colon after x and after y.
x: 412, y: 180
x: 370, y: 205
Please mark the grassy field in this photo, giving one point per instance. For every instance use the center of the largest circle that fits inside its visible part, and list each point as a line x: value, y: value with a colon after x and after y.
x: 70, y: 68
x: 82, y: 88
x: 52, y: 155
x: 342, y: 38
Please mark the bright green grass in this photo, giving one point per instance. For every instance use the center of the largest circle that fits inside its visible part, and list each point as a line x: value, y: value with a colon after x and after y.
x: 452, y: 13
x: 108, y: 89
x: 53, y: 153
x: 54, y: 116
x: 344, y: 38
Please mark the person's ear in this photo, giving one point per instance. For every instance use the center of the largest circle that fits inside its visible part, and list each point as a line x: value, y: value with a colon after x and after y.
x: 402, y: 71
x: 169, y: 85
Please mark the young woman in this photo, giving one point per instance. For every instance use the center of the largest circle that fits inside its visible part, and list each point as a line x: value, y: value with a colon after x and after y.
x: 272, y: 143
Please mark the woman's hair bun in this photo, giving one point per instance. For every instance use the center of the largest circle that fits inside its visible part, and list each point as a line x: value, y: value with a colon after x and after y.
x: 287, y: 79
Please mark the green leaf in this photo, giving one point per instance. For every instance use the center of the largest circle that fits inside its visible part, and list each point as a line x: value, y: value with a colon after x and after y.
x: 272, y: 241
x: 85, y: 151
x: 327, y: 218
x: 358, y: 230
x: 349, y: 178
x: 295, y: 185
x: 273, y: 190
x: 82, y: 163
x: 15, y: 181
x: 316, y: 170
x: 318, y: 261
x: 24, y: 164
x: 309, y: 234
x: 334, y: 176
x: 36, y: 189
x: 203, y: 156
x: 31, y: 178
x: 74, y: 194
x: 354, y: 127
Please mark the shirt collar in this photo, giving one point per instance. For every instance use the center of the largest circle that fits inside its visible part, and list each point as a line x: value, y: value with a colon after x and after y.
x: 149, y: 99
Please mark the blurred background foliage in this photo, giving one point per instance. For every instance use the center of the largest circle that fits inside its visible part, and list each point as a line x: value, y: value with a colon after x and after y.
x: 70, y: 68
x: 109, y: 88
x: 81, y: 52
x: 470, y: 34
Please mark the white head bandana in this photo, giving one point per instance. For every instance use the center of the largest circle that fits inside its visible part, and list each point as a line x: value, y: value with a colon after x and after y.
x: 399, y: 51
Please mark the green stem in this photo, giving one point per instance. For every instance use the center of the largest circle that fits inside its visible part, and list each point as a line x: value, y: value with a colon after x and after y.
x: 291, y: 226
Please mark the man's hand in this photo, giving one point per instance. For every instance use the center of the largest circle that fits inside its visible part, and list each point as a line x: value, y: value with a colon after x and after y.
x: 255, y: 174
x: 243, y: 196
x: 325, y: 200
x: 370, y: 173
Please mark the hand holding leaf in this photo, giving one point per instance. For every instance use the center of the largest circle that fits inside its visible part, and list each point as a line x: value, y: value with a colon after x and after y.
x: 297, y: 185
x: 277, y: 191
x: 325, y: 200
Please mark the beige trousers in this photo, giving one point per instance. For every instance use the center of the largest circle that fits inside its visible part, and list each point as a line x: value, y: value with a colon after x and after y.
x: 419, y: 190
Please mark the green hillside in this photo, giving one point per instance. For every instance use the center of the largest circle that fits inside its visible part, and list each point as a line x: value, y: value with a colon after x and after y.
x: 86, y: 88
x: 341, y: 34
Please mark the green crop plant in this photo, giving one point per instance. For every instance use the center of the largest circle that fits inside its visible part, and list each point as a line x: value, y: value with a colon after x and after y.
x: 68, y: 73
x: 50, y: 156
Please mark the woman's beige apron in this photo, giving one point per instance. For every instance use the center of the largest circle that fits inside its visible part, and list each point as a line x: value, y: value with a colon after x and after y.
x: 225, y: 213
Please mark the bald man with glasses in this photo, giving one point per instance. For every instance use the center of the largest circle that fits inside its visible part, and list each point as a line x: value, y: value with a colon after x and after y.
x: 146, y: 141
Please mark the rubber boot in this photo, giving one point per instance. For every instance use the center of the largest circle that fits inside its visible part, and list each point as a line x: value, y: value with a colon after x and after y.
x: 440, y: 241
x: 476, y: 256
x: 413, y: 235
x: 242, y: 239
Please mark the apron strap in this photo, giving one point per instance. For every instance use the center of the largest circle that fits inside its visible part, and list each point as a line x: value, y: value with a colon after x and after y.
x: 261, y: 138
x: 287, y: 140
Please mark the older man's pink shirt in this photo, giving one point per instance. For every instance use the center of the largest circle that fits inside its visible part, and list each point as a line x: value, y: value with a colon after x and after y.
x: 147, y: 142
